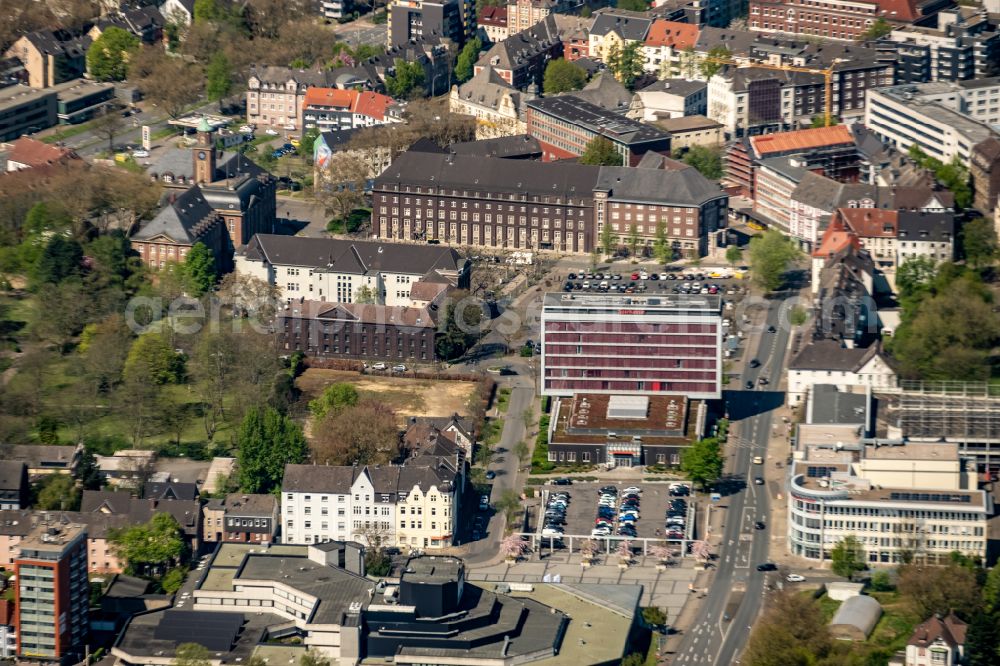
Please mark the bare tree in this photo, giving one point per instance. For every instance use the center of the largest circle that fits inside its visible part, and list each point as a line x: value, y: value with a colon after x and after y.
x: 169, y: 82
x: 341, y: 185
x: 364, y: 434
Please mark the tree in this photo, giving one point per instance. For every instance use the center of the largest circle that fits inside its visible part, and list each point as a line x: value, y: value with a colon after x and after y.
x: 192, y: 654
x: 982, y: 640
x: 848, y: 557
x: 709, y: 66
x: 334, y: 398
x: 313, y: 658
x: 881, y: 581
x: 87, y: 473
x: 991, y: 591
x: 407, y: 80
x: 708, y: 161
x: 633, y: 5
x: 308, y: 141
x: 364, y: 434
x: 770, y: 255
x: 109, y: 54
x: 734, y: 255
x: 608, y: 241
x: 61, y: 258
x: 654, y: 616
x: 661, y: 246
x: 219, y: 78
x: 364, y: 294
x: 914, y: 276
x: 208, y: 10
x: 939, y: 589
x: 635, y: 658
x: 152, y: 359
x: 107, y: 125
x: 819, y: 120
x: 268, y: 440
x: 199, y: 269
x: 792, y: 632
x: 879, y: 28
x: 633, y: 239
x: 464, y: 65
x: 979, y: 242
x: 173, y: 580
x: 702, y: 461
x: 168, y: 82
x: 513, y: 546
x: 562, y: 76
x: 509, y: 504
x: 57, y: 492
x: 601, y: 152
x: 152, y: 546
x: 626, y: 63
x: 341, y: 184
x: 458, y: 326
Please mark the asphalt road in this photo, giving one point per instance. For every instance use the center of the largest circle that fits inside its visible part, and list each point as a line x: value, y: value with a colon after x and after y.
x: 720, y: 632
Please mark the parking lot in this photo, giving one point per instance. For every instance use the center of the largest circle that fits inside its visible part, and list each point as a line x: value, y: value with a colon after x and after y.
x: 582, y: 509
x: 668, y: 280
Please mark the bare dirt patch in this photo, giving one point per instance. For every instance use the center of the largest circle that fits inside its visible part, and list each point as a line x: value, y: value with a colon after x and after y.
x: 409, y: 397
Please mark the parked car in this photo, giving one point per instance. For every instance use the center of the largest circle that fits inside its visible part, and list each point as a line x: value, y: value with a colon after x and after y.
x: 757, y: 460
x: 484, y: 502
x: 399, y: 368
x: 754, y: 363
x: 270, y: 131
x: 767, y: 566
x: 379, y: 366
x: 490, y: 475
x: 759, y: 525
x: 795, y: 578
x: 562, y: 482
x: 632, y: 490
x: 140, y: 154
x: 758, y: 481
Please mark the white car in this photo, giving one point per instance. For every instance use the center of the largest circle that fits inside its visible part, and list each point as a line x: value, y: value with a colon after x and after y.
x: 757, y: 460
x: 795, y: 578
x: 290, y: 127
x: 552, y: 532
x: 600, y: 532
x: 270, y: 131
x: 140, y: 153
x: 399, y: 368
x: 379, y: 366
x: 246, y: 129
x: 632, y: 489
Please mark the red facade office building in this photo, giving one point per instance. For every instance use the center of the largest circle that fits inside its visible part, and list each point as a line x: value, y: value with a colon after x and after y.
x: 628, y: 344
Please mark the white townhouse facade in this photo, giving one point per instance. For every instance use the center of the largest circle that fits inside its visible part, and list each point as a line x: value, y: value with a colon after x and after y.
x: 414, y: 505
x: 339, y: 270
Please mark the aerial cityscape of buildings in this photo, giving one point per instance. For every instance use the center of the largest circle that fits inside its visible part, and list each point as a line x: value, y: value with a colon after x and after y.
x: 348, y: 333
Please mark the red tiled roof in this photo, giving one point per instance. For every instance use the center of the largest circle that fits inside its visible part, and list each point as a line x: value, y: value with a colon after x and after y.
x: 951, y: 630
x: 369, y: 104
x: 901, y: 10
x: 870, y: 222
x: 836, y: 237
x: 372, y: 104
x: 672, y: 33
x: 804, y: 139
x: 329, y: 97
x: 34, y: 153
x: 426, y: 291
x: 493, y: 16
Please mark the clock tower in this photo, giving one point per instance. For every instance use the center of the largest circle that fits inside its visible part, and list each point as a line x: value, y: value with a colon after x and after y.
x: 204, y: 154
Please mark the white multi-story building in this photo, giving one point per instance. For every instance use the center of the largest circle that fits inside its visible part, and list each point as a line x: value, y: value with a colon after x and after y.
x: 936, y: 117
x: 917, y: 499
x: 413, y: 505
x: 338, y: 270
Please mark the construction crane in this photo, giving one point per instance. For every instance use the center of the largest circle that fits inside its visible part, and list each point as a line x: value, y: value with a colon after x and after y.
x: 827, y: 75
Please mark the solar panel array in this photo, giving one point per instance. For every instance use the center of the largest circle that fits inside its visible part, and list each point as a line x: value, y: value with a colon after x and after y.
x: 217, y: 632
x: 930, y: 497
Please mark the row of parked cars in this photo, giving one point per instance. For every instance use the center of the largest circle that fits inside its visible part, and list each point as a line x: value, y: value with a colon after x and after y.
x: 613, y: 510
x: 675, y: 526
x: 554, y: 519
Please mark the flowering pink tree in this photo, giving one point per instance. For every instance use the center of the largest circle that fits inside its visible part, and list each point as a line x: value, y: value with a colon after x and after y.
x: 513, y: 546
x: 589, y: 549
x: 701, y: 550
x: 661, y: 551
x: 625, y: 550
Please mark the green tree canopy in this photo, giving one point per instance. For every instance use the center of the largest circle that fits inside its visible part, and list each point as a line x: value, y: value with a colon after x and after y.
x: 334, y: 398
x: 661, y: 246
x: 60, y: 259
x: 709, y: 67
x: 848, y: 557
x: 153, y: 545
x: 152, y: 359
x: 979, y: 242
x: 465, y: 63
x: 199, y: 269
x: 268, y: 440
x: 914, y: 276
x: 208, y: 10
x: 708, y: 161
x: 601, y: 152
x: 58, y: 492
x: 734, y: 254
x: 626, y: 63
x: 771, y: 253
x: 407, y: 81
x: 633, y: 5
x: 219, y: 77
x: 608, y: 239
x: 880, y: 28
x: 562, y: 76
x: 192, y: 654
x: 791, y: 632
x: 108, y: 56
x: 702, y: 461
x: 461, y: 320
x: 307, y: 142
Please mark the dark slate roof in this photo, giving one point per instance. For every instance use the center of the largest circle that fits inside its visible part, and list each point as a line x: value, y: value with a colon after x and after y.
x: 168, y: 490
x: 238, y: 504
x: 822, y: 193
x: 59, y: 42
x: 614, y: 126
x: 630, y: 26
x: 519, y: 145
x: 831, y: 355
x: 134, y: 20
x: 282, y: 75
x: 559, y: 179
x: 183, y: 220
x: 605, y: 91
x: 682, y: 87
x: 739, y: 42
x: 685, y: 187
x: 920, y: 226
x: 831, y: 405
x: 519, y: 49
x: 487, y: 88
x: 45, y: 455
x: 336, y: 480
x: 11, y: 474
x: 348, y: 256
x: 391, y: 480
x: 105, y: 501
x: 16, y: 523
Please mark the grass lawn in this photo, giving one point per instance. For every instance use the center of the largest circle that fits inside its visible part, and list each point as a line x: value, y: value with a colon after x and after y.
x: 355, y: 221
x: 63, y: 134
x: 492, y: 430
x: 827, y: 605
x: 503, y: 400
x: 896, y: 624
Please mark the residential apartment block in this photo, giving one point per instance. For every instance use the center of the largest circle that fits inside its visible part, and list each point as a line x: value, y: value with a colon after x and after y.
x: 329, y: 109
x: 51, y: 56
x: 835, y: 19
x: 334, y: 269
x: 52, y: 593
x: 414, y: 505
x: 963, y: 45
x: 520, y: 60
x: 276, y: 95
x: 641, y: 345
x: 250, y: 518
x: 422, y: 19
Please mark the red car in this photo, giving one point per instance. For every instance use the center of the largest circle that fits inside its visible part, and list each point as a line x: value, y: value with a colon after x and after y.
x: 635, y: 276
